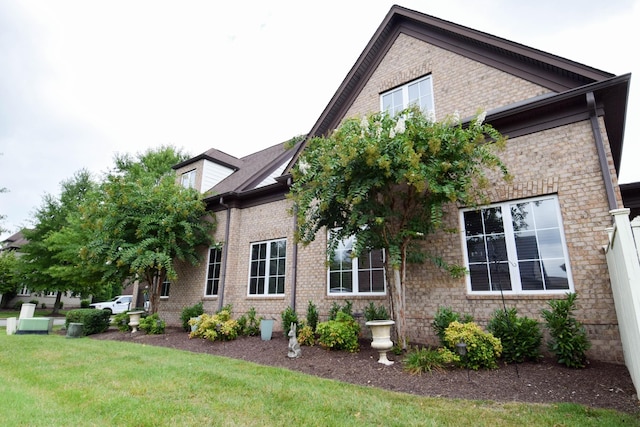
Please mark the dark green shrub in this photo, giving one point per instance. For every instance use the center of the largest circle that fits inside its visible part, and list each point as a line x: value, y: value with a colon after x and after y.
x: 569, y: 340
x: 482, y: 348
x: 312, y: 316
x: 220, y: 326
x: 189, y: 312
x: 94, y: 321
x: 249, y: 323
x: 35, y: 302
x: 336, y: 308
x: 121, y: 321
x: 152, y: 325
x: 84, y: 303
x: 371, y: 312
x: 339, y: 334
x: 18, y: 305
x: 520, y: 336
x: 288, y: 317
x: 43, y: 306
x: 60, y: 305
x: 419, y: 360
x: 443, y: 318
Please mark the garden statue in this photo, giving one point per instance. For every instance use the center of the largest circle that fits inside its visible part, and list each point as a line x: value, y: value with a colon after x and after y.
x: 294, y: 346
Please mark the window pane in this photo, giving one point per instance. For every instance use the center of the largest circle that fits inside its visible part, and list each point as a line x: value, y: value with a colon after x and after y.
x: 500, y: 277
x: 526, y: 245
x: 479, y: 277
x: 531, y: 275
x: 364, y: 281
x: 492, y: 220
x: 550, y: 244
x: 555, y: 274
x: 475, y: 249
x: 545, y: 213
x: 521, y: 217
x: 376, y: 257
x: 496, y: 248
x: 377, y: 281
x: 473, y: 223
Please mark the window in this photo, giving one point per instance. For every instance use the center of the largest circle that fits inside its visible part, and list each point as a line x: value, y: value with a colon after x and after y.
x: 267, y: 268
x: 356, y: 275
x: 517, y: 247
x: 24, y: 291
x: 188, y: 179
x: 213, y: 272
x: 164, y: 291
x: 418, y: 92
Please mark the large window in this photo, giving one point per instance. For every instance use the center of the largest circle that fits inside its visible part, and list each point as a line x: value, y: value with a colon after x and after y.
x: 356, y: 275
x: 213, y: 272
x: 517, y: 247
x: 188, y: 179
x: 267, y: 267
x: 418, y: 92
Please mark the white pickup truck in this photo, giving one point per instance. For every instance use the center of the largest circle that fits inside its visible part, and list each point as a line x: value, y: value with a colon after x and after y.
x: 117, y: 305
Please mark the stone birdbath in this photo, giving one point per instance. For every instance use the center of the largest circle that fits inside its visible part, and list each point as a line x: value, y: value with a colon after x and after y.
x: 381, y: 332
x: 134, y: 320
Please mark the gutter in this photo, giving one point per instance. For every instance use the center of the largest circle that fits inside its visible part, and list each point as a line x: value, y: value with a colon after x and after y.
x: 223, y: 267
x: 604, y: 164
x: 294, y: 255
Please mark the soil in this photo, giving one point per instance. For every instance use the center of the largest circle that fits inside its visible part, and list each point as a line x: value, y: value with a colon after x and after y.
x: 599, y: 385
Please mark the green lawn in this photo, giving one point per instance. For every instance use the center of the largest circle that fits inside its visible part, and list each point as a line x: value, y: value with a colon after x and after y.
x: 50, y: 380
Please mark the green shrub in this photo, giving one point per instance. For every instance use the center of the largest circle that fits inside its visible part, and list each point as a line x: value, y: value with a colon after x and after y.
x: 43, y: 306
x: 443, y: 318
x: 483, y: 349
x: 85, y: 303
x: 249, y: 323
x: 339, y: 334
x: 336, y: 308
x: 288, y: 317
x: 520, y: 336
x: 60, y: 305
x: 220, y: 326
x: 121, y: 321
x: 419, y: 360
x: 94, y: 321
x: 569, y: 340
x: 189, y: 312
x: 35, y: 302
x: 306, y: 336
x: 152, y: 325
x: 18, y: 305
x: 371, y: 312
x: 312, y: 315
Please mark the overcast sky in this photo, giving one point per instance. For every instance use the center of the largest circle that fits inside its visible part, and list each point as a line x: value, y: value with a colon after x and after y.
x: 82, y: 80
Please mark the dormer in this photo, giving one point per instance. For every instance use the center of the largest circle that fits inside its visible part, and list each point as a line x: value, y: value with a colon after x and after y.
x: 207, y: 170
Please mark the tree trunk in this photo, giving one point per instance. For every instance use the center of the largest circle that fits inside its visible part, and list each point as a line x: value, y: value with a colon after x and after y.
x: 398, y: 301
x: 155, y: 285
x: 56, y: 305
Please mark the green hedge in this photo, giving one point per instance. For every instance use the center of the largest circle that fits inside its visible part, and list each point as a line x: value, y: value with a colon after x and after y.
x: 93, y: 321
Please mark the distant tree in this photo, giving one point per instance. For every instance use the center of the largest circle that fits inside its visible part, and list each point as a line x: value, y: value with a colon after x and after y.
x: 386, y: 180
x: 51, y: 263
x: 10, y: 279
x: 143, y: 220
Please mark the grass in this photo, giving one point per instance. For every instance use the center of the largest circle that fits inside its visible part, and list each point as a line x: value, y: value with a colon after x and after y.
x: 48, y: 380
x: 41, y: 312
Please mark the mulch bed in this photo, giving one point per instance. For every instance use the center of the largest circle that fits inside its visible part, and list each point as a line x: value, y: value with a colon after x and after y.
x: 600, y: 385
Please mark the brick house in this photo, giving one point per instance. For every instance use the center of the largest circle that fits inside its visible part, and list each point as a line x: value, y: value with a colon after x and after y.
x: 565, y: 123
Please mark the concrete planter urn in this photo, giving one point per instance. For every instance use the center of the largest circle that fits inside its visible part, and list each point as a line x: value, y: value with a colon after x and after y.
x: 381, y: 332
x: 134, y: 320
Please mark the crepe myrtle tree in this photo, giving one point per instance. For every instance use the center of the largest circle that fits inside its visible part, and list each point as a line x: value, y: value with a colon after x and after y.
x: 144, y: 220
x: 386, y: 180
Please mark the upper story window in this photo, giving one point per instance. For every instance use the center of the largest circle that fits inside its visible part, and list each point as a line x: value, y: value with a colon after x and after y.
x: 188, y: 179
x: 213, y: 272
x: 517, y: 247
x: 418, y: 92
x: 356, y: 275
x: 267, y: 267
x: 164, y: 290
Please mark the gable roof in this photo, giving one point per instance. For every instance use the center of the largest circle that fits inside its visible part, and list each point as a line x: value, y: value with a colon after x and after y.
x: 559, y: 75
x: 14, y: 242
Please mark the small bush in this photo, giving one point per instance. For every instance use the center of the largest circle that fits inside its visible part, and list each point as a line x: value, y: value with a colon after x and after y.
x: 371, y: 312
x: 306, y: 336
x: 288, y: 317
x: 220, y: 326
x: 336, y: 308
x: 60, y: 305
x: 569, y: 340
x: 520, y: 336
x: 419, y: 360
x: 85, y: 303
x: 43, y: 306
x: 18, y: 305
x: 339, y: 334
x: 35, y: 302
x: 94, y: 321
x: 443, y: 318
x: 152, y: 325
x: 483, y: 349
x: 189, y: 312
x: 312, y: 315
x: 249, y: 323
x: 121, y: 321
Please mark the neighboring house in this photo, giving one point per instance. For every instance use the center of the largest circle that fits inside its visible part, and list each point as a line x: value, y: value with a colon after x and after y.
x: 546, y: 228
x: 14, y: 243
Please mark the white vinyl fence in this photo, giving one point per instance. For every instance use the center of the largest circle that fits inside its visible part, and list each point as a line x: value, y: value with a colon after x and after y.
x: 623, y: 259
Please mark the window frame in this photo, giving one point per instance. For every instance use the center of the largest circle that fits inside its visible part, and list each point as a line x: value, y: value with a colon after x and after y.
x: 165, y: 288
x: 513, y: 262
x: 355, y: 276
x: 215, y: 280
x: 191, y: 179
x: 404, y: 91
x: 268, y: 274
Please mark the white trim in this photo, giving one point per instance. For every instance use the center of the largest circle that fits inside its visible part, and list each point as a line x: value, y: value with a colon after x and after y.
x: 267, y: 273
x: 404, y: 90
x: 206, y: 275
